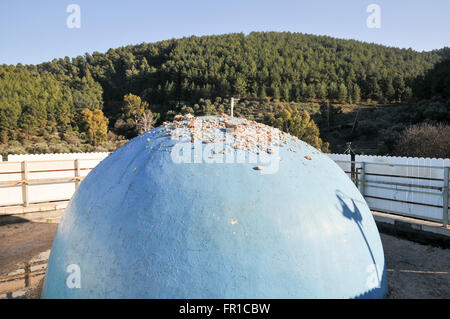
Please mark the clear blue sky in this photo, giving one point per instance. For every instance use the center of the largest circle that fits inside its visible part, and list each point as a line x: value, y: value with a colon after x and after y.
x: 36, y: 31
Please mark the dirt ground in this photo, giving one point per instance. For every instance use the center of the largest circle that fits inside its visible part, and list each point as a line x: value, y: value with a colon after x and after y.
x: 21, y: 242
x: 413, y: 270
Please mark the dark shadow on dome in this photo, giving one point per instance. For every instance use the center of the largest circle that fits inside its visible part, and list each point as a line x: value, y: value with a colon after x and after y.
x: 355, y: 214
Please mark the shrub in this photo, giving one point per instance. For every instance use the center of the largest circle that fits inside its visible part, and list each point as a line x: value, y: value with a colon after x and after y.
x: 110, y: 146
x: 38, y: 148
x: 100, y: 148
x: 59, y: 148
x: 75, y: 149
x: 424, y: 140
x: 72, y: 138
x: 300, y: 124
x: 16, y: 149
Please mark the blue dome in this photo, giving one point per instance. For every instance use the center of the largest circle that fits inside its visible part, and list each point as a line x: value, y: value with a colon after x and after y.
x: 216, y: 207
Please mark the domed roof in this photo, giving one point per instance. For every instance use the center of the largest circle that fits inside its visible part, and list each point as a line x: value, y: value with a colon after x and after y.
x: 216, y: 207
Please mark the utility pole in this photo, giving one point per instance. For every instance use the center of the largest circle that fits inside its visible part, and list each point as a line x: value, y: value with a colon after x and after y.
x: 355, y: 122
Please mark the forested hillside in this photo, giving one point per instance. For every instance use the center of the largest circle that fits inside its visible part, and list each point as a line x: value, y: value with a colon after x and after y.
x: 50, y: 99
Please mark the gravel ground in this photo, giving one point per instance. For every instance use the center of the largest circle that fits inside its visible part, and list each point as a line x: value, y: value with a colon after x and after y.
x: 414, y: 270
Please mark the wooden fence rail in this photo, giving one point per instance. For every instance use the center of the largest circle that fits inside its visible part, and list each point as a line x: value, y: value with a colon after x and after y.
x: 29, y: 273
x: 415, y: 187
x: 30, y: 182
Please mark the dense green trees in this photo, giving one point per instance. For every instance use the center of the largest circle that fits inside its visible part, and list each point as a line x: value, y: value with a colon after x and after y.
x: 32, y: 103
x: 176, y: 75
x: 435, y: 82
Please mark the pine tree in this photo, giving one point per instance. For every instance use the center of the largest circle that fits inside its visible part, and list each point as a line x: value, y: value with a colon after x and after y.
x: 342, y: 93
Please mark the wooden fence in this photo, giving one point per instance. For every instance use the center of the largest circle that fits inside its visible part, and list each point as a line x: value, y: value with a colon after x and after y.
x: 31, y: 182
x: 416, y: 187
x: 29, y: 274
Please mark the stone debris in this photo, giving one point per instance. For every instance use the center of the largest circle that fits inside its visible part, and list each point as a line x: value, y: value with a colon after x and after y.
x: 308, y: 157
x: 237, y: 133
x: 229, y: 124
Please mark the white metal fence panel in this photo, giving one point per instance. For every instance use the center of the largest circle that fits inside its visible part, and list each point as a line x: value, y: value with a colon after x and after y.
x: 403, y: 185
x: 28, y: 182
x: 415, y: 191
x: 57, y: 179
x: 10, y: 187
x: 86, y: 165
x: 55, y: 156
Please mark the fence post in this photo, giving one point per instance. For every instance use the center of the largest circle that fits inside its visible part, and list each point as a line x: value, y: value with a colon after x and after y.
x: 77, y: 173
x: 25, y: 183
x: 27, y: 274
x: 445, y: 198
x: 352, y: 168
x: 353, y: 175
x: 363, y: 178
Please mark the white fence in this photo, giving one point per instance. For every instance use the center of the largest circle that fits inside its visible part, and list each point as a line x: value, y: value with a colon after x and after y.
x: 416, y: 187
x: 37, y: 181
x: 57, y: 156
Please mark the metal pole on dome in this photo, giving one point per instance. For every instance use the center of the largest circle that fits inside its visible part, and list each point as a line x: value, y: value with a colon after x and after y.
x: 232, y: 106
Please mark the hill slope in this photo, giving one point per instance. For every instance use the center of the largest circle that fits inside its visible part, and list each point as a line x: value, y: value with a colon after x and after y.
x: 49, y: 97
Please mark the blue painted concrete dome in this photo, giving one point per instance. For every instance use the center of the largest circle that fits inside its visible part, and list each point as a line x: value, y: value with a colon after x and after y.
x: 216, y: 207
